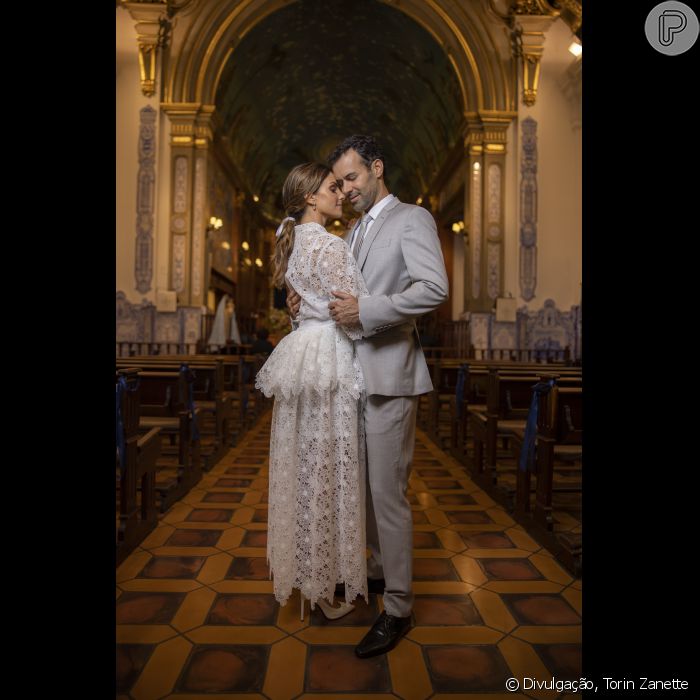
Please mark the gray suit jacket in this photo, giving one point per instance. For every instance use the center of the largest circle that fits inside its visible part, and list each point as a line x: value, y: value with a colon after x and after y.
x: 402, y: 264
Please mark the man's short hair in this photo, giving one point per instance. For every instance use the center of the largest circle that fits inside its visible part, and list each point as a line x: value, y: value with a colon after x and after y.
x: 366, y: 146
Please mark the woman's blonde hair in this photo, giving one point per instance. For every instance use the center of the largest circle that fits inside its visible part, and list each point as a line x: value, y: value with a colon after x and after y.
x: 303, y: 180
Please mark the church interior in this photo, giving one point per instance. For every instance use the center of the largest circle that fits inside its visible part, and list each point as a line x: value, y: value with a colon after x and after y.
x: 477, y: 104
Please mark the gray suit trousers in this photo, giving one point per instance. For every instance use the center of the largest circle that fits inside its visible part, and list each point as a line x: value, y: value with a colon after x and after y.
x: 390, y: 430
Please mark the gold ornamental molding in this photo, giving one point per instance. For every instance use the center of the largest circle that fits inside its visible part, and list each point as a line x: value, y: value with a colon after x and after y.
x: 154, y: 24
x: 530, y: 47
x: 202, y: 46
x: 495, y: 133
x: 570, y: 11
x: 190, y: 123
x: 532, y: 7
x: 530, y: 21
x: 487, y: 131
x: 151, y: 22
x: 572, y: 14
x: 473, y: 143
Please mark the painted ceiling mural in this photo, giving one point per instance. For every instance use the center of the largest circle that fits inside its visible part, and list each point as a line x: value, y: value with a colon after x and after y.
x: 306, y: 77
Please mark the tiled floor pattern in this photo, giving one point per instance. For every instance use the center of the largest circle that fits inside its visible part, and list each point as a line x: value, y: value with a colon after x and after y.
x: 566, y: 506
x: 196, y: 617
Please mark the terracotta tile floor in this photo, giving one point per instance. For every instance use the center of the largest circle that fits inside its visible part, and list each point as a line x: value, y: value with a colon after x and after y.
x: 196, y: 617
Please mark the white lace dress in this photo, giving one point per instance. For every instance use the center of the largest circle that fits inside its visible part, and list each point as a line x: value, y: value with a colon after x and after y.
x: 316, y: 521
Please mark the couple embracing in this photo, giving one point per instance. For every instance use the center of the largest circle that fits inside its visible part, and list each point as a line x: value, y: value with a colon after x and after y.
x: 346, y: 384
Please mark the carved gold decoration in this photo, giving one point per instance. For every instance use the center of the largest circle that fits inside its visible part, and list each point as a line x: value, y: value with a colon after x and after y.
x: 528, y: 39
x: 200, y: 78
x: 528, y: 21
x: 147, y: 67
x: 495, y: 131
x: 571, y: 13
x: 190, y: 123
x: 151, y: 21
x: 532, y: 7
x: 531, y: 77
x: 474, y: 134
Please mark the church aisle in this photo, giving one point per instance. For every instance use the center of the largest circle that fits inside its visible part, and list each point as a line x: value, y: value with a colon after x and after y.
x: 196, y: 617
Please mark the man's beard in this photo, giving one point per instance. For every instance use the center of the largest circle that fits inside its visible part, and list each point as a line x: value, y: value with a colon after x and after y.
x: 364, y: 201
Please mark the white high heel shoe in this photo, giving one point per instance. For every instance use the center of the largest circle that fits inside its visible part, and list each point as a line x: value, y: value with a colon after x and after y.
x: 328, y: 610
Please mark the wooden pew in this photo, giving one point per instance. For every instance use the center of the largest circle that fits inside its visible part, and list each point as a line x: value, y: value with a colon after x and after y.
x: 126, y: 348
x: 507, y: 406
x: 210, y: 397
x: 442, y: 418
x: 507, y: 402
x: 539, y: 355
x: 252, y: 401
x: 559, y: 439
x: 136, y: 468
x: 440, y: 352
x: 559, y: 435
x: 441, y: 400
x: 476, y: 383
x: 165, y: 401
x: 235, y: 391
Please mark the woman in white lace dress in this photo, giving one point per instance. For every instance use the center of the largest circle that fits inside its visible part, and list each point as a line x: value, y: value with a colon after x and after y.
x: 316, y: 522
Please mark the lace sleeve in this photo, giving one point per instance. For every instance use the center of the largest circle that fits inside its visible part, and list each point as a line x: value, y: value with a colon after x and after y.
x: 338, y: 270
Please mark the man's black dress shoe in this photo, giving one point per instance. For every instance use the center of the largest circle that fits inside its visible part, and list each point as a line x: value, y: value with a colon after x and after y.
x: 374, y: 585
x: 384, y: 635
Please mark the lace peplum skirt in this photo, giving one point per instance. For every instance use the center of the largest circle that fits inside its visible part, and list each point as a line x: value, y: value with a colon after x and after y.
x: 316, y: 521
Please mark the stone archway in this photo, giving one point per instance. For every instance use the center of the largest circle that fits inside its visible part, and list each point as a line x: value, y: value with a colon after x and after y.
x: 470, y: 35
x: 473, y: 44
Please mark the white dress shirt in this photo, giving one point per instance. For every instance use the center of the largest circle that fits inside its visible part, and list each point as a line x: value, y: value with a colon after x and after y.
x: 374, y: 213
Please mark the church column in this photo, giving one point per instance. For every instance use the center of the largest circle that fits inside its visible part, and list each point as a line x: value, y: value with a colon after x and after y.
x: 493, y: 208
x: 473, y: 287
x: 484, y: 210
x: 200, y: 207
x: 190, y: 141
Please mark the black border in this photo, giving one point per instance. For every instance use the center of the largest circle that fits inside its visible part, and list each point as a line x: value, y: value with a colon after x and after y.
x: 640, y: 153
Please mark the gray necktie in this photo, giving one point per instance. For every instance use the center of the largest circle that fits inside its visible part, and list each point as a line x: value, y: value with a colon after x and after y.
x: 360, y: 237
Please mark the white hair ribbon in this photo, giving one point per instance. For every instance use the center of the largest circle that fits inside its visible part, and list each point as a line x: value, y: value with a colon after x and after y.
x: 278, y: 232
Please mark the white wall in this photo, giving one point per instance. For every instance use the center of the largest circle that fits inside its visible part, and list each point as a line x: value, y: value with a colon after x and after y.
x: 559, y: 210
x: 129, y: 100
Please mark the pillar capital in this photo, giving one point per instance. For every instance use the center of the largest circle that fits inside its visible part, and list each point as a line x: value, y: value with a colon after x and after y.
x: 191, y: 123
x: 151, y: 21
x: 531, y: 19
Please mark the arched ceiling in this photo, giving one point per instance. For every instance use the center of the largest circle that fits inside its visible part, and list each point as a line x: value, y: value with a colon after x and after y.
x: 316, y: 71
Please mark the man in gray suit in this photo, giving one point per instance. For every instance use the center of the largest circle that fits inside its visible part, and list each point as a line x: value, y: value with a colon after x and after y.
x: 399, y: 254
